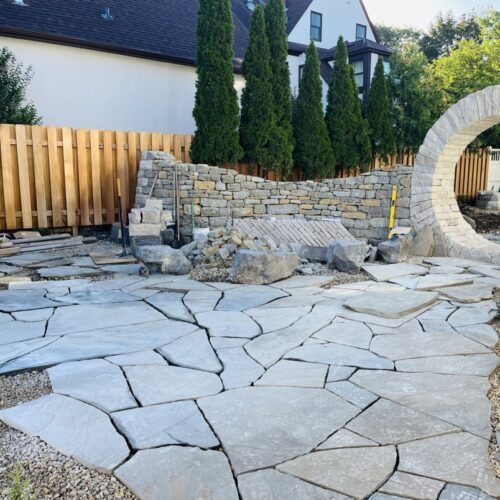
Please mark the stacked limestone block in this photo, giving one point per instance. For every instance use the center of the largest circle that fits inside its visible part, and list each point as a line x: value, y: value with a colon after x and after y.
x: 150, y: 220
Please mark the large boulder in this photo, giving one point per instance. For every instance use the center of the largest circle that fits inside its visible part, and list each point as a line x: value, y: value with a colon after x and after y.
x: 256, y: 267
x: 423, y: 243
x: 346, y: 255
x: 167, y: 260
x: 396, y: 250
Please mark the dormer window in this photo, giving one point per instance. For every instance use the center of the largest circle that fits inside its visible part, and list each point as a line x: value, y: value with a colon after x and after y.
x: 360, y: 32
x: 316, y: 26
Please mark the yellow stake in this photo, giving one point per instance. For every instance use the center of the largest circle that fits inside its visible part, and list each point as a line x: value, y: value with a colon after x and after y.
x: 392, y: 216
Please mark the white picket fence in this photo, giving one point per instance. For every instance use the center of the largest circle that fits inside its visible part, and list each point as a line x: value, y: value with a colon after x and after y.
x: 494, y: 173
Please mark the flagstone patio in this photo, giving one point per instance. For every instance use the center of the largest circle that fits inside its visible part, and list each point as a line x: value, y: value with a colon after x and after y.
x: 188, y: 390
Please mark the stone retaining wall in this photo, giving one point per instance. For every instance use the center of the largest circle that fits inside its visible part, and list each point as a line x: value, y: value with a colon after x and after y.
x: 218, y: 195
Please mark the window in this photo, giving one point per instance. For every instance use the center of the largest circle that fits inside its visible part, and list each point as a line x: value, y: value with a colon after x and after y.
x: 360, y: 32
x: 316, y: 26
x: 301, y: 71
x: 359, y: 73
x: 387, y: 67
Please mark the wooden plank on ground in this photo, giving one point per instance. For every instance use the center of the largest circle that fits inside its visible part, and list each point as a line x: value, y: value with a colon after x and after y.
x: 95, y: 167
x: 69, y: 176
x: 83, y: 182
x: 7, y: 177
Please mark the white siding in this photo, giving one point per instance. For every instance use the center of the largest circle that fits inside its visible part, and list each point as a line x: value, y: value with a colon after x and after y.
x: 339, y: 18
x: 84, y: 88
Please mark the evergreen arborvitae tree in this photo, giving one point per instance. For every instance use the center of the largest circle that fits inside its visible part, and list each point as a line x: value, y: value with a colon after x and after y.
x: 378, y: 114
x: 281, y: 147
x: 313, y: 152
x: 343, y: 114
x: 216, y: 104
x: 257, y: 109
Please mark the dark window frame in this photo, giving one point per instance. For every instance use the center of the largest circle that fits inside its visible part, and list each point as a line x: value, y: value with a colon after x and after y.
x: 365, y: 28
x: 313, y: 26
x: 301, y: 71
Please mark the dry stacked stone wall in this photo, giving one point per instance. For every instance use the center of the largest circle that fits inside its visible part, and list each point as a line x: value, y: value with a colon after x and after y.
x: 218, y: 195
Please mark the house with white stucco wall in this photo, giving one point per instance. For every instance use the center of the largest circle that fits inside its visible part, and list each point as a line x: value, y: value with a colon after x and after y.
x: 130, y: 64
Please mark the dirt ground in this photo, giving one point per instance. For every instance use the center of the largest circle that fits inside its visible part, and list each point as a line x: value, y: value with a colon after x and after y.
x: 487, y: 221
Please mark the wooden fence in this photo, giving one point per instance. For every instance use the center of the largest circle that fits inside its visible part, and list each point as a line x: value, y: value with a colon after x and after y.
x: 63, y: 177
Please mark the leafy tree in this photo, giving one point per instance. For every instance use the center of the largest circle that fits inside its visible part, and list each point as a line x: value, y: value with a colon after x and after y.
x: 343, y: 115
x: 416, y: 96
x: 282, y: 140
x: 216, y: 104
x: 394, y: 37
x: 446, y: 32
x: 14, y: 79
x: 257, y: 101
x: 379, y: 116
x: 313, y: 152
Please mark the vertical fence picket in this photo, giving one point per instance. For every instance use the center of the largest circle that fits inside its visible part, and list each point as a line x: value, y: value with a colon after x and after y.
x: 24, y: 177
x: 83, y: 184
x: 8, y: 177
x: 69, y: 177
x: 95, y: 168
x: 39, y: 172
x: 109, y: 179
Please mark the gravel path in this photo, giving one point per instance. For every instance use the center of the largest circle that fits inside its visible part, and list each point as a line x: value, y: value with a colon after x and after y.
x: 494, y: 396
x: 51, y: 474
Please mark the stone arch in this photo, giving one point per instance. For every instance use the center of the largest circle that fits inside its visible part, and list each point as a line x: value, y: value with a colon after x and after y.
x: 433, y: 202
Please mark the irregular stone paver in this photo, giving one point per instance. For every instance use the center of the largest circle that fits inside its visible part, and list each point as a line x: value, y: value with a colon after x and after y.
x: 26, y: 259
x: 294, y: 374
x: 412, y: 326
x: 34, y: 315
x: 8, y: 270
x: 263, y: 426
x: 5, y: 318
x: 337, y: 373
x: 175, y: 473
x: 71, y: 427
x: 240, y: 370
x: 456, y: 492
x: 348, y: 333
x: 97, y: 297
x: 137, y: 358
x: 336, y: 354
x: 391, y: 305
x: 67, y: 272
x: 163, y: 384
x: 198, y: 302
x: 171, y: 304
x: 192, y: 351
x: 478, y: 364
x: 271, y: 320
x: 271, y: 484
x: 98, y: 343
x: 410, y: 486
x: 484, y: 334
x: 339, y: 470
x: 466, y: 316
x: 436, y: 326
x: 356, y: 395
x: 380, y: 272
x: 227, y: 342
x: 95, y: 381
x: 389, y: 423
x: 24, y: 300
x: 434, y: 281
x: 228, y: 324
x: 488, y: 271
x: 346, y: 439
x: 122, y: 268
x: 457, y: 399
x: 10, y: 352
x: 248, y: 296
x: 83, y: 318
x: 160, y: 425
x: 303, y: 282
x: 17, y: 331
x: 432, y: 458
x: 419, y: 345
x: 269, y: 348
x: 446, y: 270
x: 175, y: 284
x: 469, y: 293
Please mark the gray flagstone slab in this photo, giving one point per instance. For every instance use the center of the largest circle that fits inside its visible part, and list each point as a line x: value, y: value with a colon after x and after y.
x: 228, y: 324
x: 164, y: 384
x: 164, y: 424
x: 5, y: 318
x: 23, y: 300
x: 227, y: 342
x: 356, y: 395
x: 304, y: 282
x: 248, y: 296
x: 269, y: 348
x: 112, y: 284
x: 171, y: 304
x: 192, y: 351
x: 175, y: 284
x: 434, y: 281
x: 34, y: 315
x: 122, y: 268
x: 346, y: 439
x: 96, y: 297
x: 10, y: 352
x: 484, y: 334
x: 67, y: 272
x: 8, y: 270
x: 95, y: 381
x: 468, y: 293
x: 337, y: 373
x: 175, y: 472
x: 470, y: 465
x: 137, y: 358
x: 263, y: 426
x: 382, y: 272
x: 57, y: 286
x: 391, y: 305
x: 389, y: 423
x: 28, y: 258
x: 459, y: 492
x: 339, y: 470
x: 342, y: 355
x: 413, y: 326
x: 198, y: 302
x: 294, y: 374
x: 452, y: 261
x: 271, y: 484
x: 436, y: 326
x: 82, y: 318
x: 466, y: 316
x: 240, y: 370
x: 97, y: 344
x: 271, y: 320
x: 478, y: 364
x: 446, y: 270
x: 488, y: 271
x: 71, y: 427
x: 17, y: 331
x: 410, y: 486
x: 348, y: 333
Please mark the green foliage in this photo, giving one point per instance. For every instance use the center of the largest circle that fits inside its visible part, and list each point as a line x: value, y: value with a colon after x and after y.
x: 14, y: 79
x: 416, y: 96
x: 379, y: 116
x: 313, y: 152
x: 216, y: 110
x: 280, y: 79
x: 394, y: 37
x: 257, y: 102
x: 343, y: 115
x: 20, y: 485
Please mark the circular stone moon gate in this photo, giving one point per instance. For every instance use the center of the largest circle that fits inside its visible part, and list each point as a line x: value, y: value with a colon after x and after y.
x: 433, y: 202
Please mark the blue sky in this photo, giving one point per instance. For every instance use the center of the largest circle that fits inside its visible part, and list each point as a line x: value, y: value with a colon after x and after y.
x: 420, y: 13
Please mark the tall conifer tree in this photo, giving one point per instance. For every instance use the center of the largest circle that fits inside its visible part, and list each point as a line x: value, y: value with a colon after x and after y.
x: 216, y: 104
x: 379, y: 115
x: 313, y: 151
